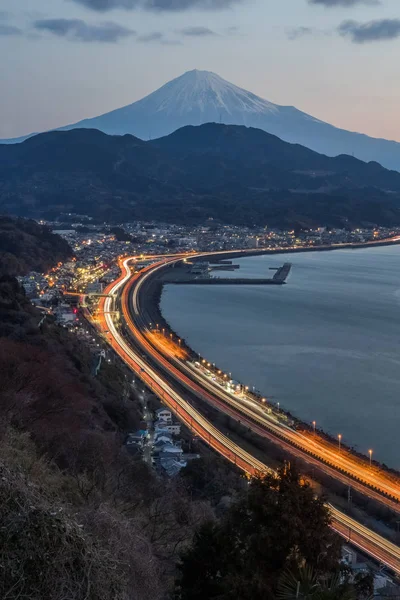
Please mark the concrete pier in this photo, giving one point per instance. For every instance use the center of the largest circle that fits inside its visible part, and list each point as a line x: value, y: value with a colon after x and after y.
x: 279, y: 278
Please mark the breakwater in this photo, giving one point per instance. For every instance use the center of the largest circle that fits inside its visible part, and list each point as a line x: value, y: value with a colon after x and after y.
x: 185, y: 277
x: 225, y: 281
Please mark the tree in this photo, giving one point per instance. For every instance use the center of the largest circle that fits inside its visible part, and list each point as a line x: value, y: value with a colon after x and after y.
x: 305, y: 584
x: 277, y: 525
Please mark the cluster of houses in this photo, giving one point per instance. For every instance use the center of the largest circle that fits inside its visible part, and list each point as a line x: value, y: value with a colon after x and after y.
x: 166, y: 451
x: 384, y: 584
x: 167, y: 454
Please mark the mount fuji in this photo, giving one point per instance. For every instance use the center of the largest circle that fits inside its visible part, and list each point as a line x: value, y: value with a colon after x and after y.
x: 199, y: 97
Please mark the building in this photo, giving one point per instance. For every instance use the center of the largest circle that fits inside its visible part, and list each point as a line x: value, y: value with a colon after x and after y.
x: 163, y: 414
x: 67, y: 316
x: 171, y: 466
x: 161, y: 438
x: 94, y: 288
x: 174, y: 428
x: 136, y: 439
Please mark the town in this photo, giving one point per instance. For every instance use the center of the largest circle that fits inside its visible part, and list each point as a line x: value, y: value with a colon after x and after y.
x: 97, y: 249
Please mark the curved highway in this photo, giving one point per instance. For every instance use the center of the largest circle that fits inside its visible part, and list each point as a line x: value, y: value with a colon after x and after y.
x: 371, y: 543
x: 341, y: 464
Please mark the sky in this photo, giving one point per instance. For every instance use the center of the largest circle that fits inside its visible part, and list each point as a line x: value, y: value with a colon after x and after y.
x: 66, y: 60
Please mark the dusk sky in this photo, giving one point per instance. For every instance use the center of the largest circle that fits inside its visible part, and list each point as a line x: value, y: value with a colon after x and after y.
x: 65, y: 60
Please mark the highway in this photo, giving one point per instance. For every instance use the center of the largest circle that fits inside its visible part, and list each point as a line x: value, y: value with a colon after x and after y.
x: 376, y: 546
x: 341, y: 464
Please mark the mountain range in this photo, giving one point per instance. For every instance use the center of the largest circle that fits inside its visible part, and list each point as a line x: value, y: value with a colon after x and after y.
x: 228, y: 173
x: 199, y: 97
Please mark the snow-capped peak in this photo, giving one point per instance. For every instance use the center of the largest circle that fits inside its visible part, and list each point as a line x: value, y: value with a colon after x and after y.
x: 204, y: 91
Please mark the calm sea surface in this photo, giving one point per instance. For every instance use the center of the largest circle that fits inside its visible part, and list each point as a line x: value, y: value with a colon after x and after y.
x: 326, y: 346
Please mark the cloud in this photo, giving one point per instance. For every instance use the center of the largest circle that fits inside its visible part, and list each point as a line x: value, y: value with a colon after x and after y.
x: 78, y: 30
x: 196, y: 31
x: 9, y: 30
x: 298, y: 32
x: 171, y: 42
x: 344, y: 3
x: 158, y: 36
x: 373, y: 31
x: 157, y: 5
x: 155, y: 36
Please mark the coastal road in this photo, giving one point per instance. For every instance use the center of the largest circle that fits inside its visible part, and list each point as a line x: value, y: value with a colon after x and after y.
x: 368, y: 541
x: 339, y: 463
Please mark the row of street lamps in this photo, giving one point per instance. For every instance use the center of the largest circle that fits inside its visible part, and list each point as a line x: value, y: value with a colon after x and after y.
x: 163, y: 332
x: 370, y: 452
x: 207, y: 364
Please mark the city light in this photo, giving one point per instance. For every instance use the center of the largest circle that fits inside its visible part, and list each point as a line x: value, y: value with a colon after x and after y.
x: 345, y: 464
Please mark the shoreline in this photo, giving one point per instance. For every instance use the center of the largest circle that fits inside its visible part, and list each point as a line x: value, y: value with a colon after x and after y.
x: 295, y: 250
x: 153, y: 308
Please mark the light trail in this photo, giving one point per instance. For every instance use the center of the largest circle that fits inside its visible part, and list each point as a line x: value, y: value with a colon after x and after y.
x: 368, y: 541
x: 340, y: 464
x: 192, y: 418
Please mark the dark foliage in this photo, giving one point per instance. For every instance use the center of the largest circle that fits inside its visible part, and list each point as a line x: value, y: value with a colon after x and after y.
x: 79, y: 518
x: 46, y: 386
x: 276, y: 526
x: 228, y: 173
x: 27, y: 246
x: 120, y: 234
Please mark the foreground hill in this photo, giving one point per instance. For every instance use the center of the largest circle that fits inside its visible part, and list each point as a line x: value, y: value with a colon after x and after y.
x: 230, y: 173
x: 27, y: 246
x: 81, y: 518
x: 199, y: 97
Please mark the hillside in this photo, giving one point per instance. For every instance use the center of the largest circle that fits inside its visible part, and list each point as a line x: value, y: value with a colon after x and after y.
x: 260, y: 159
x: 199, y: 97
x: 27, y: 246
x: 229, y: 173
x: 76, y: 508
x: 81, y: 518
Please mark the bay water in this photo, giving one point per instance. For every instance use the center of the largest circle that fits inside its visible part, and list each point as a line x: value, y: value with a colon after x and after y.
x: 326, y: 345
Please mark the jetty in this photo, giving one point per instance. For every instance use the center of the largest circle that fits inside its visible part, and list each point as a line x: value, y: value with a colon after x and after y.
x: 197, y: 277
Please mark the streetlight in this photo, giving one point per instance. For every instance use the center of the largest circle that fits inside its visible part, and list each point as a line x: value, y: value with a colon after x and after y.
x: 340, y: 440
x: 370, y: 457
x: 179, y: 342
x: 263, y: 400
x: 278, y: 405
x: 314, y: 424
